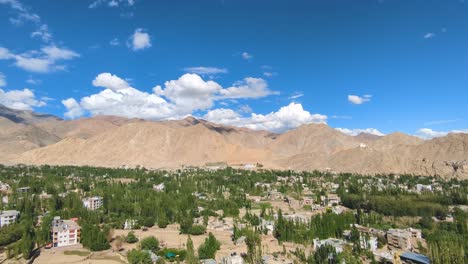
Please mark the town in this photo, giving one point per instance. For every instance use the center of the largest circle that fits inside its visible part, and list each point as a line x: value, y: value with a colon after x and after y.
x: 221, y: 214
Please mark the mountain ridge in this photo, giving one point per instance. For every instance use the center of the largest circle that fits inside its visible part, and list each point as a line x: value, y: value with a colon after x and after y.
x: 115, y: 141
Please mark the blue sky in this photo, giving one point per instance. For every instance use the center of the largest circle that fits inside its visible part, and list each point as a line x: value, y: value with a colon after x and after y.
x: 379, y: 65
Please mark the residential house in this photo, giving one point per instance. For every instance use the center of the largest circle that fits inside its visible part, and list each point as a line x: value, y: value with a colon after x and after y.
x: 93, y: 203
x: 65, y: 232
x: 338, y: 244
x: 233, y: 259
x: 8, y: 217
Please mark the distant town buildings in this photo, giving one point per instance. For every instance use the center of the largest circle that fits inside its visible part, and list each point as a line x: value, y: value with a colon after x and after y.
x: 233, y: 259
x: 65, y: 232
x: 338, y: 244
x: 402, y: 238
x: 8, y: 217
x: 92, y: 203
x: 23, y: 189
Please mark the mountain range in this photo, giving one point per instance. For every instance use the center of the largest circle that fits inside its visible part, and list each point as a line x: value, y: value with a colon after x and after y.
x: 27, y: 137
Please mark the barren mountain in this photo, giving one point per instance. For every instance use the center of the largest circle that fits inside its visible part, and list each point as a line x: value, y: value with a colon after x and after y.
x: 114, y: 141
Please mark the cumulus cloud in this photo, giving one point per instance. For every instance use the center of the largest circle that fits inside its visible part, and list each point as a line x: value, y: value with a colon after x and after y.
x: 110, y: 81
x: 248, y: 88
x: 140, y: 40
x: 206, y: 70
x: 20, y: 99
x: 355, y: 99
x: 74, y: 109
x: 189, y: 92
x: 2, y: 80
x: 357, y: 131
x: 175, y: 99
x: 427, y: 133
x: 45, y: 60
x: 286, y: 118
x: 246, y: 56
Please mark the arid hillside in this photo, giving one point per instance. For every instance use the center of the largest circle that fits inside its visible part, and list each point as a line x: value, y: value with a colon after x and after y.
x: 30, y: 138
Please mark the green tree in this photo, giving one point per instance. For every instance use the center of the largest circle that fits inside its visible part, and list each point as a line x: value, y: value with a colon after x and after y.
x: 131, y: 238
x: 138, y: 257
x: 190, y: 258
x: 208, y: 249
x: 150, y: 243
x: 254, y: 247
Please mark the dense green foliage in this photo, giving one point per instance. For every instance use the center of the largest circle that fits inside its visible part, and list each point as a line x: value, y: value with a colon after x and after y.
x: 208, y: 249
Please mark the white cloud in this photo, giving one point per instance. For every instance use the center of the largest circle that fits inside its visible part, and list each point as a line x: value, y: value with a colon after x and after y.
x: 20, y: 99
x: 24, y: 15
x: 42, y: 61
x: 296, y: 95
x: 176, y: 99
x: 110, y: 81
x: 110, y: 3
x: 74, y: 109
x: 270, y: 74
x: 355, y: 132
x: 286, y: 118
x: 114, y: 42
x: 30, y: 80
x: 2, y: 80
x: 205, y: 70
x: 355, y: 99
x: 43, y: 33
x: 190, y: 92
x: 140, y: 40
x: 429, y: 35
x: 427, y: 133
x: 246, y: 56
x: 248, y: 88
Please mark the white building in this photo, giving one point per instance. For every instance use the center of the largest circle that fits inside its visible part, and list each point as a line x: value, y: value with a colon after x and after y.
x: 129, y: 224
x: 159, y: 187
x: 65, y: 232
x: 368, y: 243
x: 233, y: 259
x: 8, y: 217
x: 338, y: 244
x: 92, y: 203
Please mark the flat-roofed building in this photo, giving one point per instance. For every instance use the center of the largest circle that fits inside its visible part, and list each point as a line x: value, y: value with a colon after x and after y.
x: 92, y: 203
x: 65, y: 232
x: 399, y: 238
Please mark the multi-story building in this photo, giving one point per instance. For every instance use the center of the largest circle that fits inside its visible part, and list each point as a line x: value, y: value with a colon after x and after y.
x: 65, y: 232
x: 338, y: 244
x: 92, y: 203
x: 8, y: 217
x: 399, y: 238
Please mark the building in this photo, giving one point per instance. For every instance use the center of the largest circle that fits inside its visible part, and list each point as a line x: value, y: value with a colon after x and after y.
x: 338, y: 244
x: 8, y: 217
x: 159, y: 187
x: 92, y: 203
x: 399, y: 239
x: 129, y: 224
x: 369, y: 243
x: 332, y: 199
x: 413, y: 258
x: 233, y: 259
x: 65, y: 232
x: 23, y: 189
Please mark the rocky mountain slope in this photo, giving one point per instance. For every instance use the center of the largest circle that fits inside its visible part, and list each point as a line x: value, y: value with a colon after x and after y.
x: 27, y: 137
